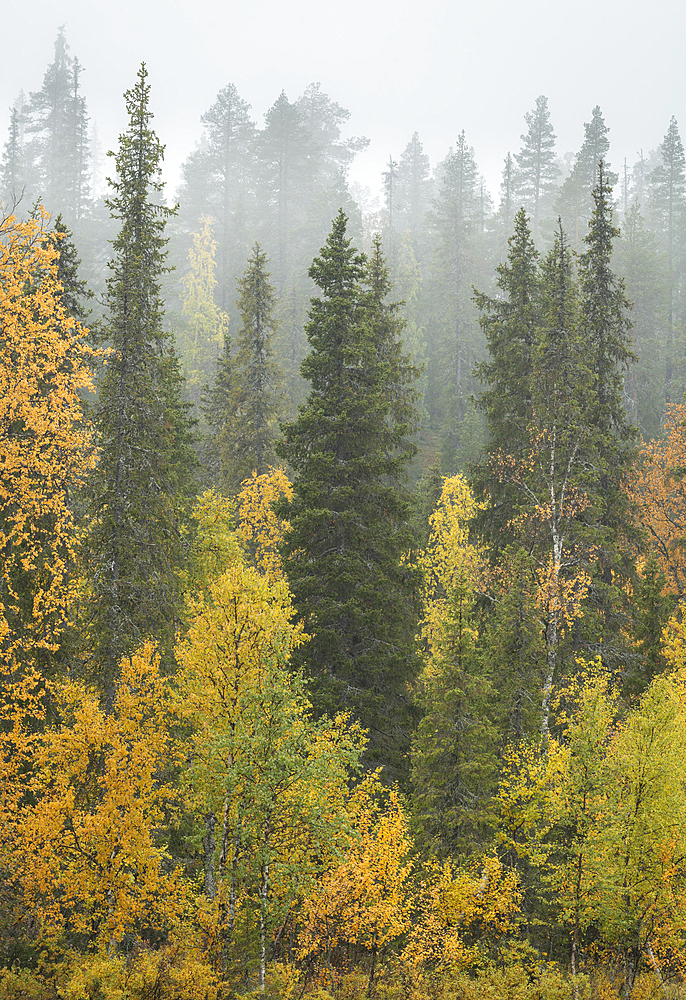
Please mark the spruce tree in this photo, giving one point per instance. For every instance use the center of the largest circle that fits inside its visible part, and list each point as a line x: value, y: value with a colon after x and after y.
x: 349, y: 515
x: 668, y: 211
x: 144, y: 469
x: 607, y: 338
x: 510, y: 321
x: 244, y: 401
x: 458, y: 244
x: 57, y: 137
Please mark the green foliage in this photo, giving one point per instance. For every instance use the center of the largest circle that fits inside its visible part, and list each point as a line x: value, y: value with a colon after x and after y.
x: 243, y: 404
x: 349, y: 515
x: 144, y: 472
x: 454, y: 753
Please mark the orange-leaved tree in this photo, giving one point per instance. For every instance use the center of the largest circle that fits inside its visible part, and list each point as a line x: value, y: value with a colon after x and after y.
x: 83, y: 850
x: 364, y: 900
x: 658, y: 490
x: 45, y: 444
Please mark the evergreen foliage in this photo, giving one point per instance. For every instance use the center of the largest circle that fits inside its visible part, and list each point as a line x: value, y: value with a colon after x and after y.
x: 537, y: 169
x: 144, y: 472
x: 243, y: 404
x: 349, y: 447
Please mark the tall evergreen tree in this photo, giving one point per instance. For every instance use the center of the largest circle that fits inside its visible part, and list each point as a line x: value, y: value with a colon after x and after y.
x: 414, y: 187
x: 510, y: 321
x: 57, y: 137
x: 328, y: 154
x: 143, y: 475
x: 457, y: 244
x: 607, y: 338
x: 244, y: 402
x: 14, y: 173
x: 575, y: 202
x: 283, y: 151
x: 218, y: 182
x: 349, y: 515
x: 668, y: 214
x: 536, y: 167
x: 638, y: 256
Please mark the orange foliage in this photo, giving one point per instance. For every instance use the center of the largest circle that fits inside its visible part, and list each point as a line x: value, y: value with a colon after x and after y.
x: 83, y: 848
x: 45, y: 446
x: 658, y: 489
x: 364, y: 900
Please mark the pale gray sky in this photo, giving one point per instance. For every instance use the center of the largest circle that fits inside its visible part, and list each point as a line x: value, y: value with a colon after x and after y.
x: 399, y: 67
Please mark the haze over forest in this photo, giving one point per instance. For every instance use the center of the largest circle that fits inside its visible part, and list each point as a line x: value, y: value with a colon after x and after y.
x: 343, y: 503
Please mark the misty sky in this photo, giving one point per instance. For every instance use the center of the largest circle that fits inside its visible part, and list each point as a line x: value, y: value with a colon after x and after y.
x: 399, y: 67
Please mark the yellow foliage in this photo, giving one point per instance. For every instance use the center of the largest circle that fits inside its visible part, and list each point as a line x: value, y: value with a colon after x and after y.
x: 449, y: 559
x: 207, y: 324
x: 457, y: 905
x: 241, y: 628
x: 363, y: 900
x: 260, y: 531
x: 215, y: 544
x: 84, y: 849
x: 658, y: 491
x: 45, y: 445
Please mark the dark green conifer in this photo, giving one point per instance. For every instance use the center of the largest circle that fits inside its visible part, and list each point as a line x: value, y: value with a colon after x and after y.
x: 349, y: 516
x: 243, y: 404
x: 144, y: 472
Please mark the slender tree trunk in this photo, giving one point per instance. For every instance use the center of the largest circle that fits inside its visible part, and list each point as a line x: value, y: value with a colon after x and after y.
x: 264, y: 895
x: 372, y: 970
x: 209, y: 845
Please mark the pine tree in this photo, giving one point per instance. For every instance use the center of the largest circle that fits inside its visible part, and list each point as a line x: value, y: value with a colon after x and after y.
x: 143, y: 475
x: 218, y: 182
x: 327, y: 153
x: 244, y: 402
x: 537, y: 170
x: 283, y: 151
x: 349, y: 516
x: 575, y: 202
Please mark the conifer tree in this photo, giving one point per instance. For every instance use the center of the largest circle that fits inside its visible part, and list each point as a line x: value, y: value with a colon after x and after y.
x: 217, y: 182
x: 668, y: 211
x: 456, y: 233
x: 537, y: 170
x: 606, y: 335
x: 57, y: 137
x: 349, y: 516
x: 283, y: 150
x: 574, y: 202
x: 243, y: 404
x: 143, y: 475
x: 413, y: 186
x: 15, y: 167
x: 510, y: 322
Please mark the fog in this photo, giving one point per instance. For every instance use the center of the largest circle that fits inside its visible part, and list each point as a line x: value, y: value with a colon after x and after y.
x: 397, y: 67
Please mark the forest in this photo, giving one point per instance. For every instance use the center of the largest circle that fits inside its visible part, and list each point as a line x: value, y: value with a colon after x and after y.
x: 344, y: 546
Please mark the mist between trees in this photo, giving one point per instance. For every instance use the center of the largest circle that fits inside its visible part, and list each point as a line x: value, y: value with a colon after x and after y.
x: 340, y: 614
